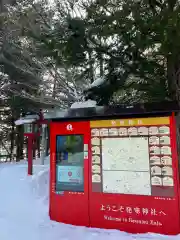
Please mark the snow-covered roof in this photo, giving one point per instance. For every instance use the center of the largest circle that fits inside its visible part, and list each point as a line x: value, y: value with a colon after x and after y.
x: 57, y: 113
x: 27, y: 119
x: 96, y: 83
x: 22, y: 121
x: 86, y: 104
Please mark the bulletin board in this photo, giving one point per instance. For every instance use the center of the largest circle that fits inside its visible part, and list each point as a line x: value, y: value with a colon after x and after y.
x: 134, y: 184
x: 132, y: 156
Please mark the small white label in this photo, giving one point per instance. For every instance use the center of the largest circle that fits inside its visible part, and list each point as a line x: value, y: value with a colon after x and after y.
x: 166, y: 160
x: 156, y: 181
x: 85, y: 155
x: 96, y: 178
x: 154, y: 150
x: 168, y: 181
x: 96, y: 159
x: 95, y: 150
x: 69, y: 127
x: 165, y: 150
x: 167, y: 171
x: 155, y: 160
x: 165, y: 140
x: 95, y: 141
x: 153, y: 140
x: 85, y: 147
x: 113, y: 132
x: 153, y: 130
x: 143, y: 131
x: 95, y: 132
x: 104, y: 132
x: 132, y: 131
x: 96, y: 169
x: 156, y: 170
x: 164, y: 130
x: 123, y: 131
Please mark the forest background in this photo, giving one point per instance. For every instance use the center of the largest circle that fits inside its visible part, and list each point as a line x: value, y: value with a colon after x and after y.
x: 52, y: 50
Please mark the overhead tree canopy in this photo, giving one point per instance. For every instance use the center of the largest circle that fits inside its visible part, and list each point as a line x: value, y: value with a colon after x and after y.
x: 133, y: 45
x: 53, y: 52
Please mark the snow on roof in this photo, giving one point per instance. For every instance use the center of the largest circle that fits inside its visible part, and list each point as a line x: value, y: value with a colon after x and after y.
x: 86, y: 104
x: 31, y: 116
x: 96, y: 83
x: 57, y: 113
x: 22, y: 121
x: 27, y: 119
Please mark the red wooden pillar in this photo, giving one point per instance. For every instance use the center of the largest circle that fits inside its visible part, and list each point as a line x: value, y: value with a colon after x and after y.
x: 30, y: 155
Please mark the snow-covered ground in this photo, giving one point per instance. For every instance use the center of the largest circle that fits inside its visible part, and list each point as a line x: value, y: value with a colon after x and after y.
x: 24, y: 210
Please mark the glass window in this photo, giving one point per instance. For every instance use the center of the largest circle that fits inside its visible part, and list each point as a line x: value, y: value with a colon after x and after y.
x: 70, y: 163
x: 28, y: 128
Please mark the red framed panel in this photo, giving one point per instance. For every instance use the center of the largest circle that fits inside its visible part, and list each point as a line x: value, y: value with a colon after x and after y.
x: 154, y: 206
x: 69, y: 206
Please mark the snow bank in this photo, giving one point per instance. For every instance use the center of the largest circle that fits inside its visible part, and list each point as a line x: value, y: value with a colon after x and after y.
x: 40, y: 185
x: 38, y: 161
x: 40, y: 180
x: 24, y: 210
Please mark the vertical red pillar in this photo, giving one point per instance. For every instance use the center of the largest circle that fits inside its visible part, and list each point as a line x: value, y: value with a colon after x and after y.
x: 30, y: 155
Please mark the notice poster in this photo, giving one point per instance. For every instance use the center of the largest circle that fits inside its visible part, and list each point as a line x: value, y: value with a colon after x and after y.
x: 125, y: 165
x: 125, y: 154
x: 70, y: 174
x: 127, y: 182
x: 133, y: 170
x: 70, y: 154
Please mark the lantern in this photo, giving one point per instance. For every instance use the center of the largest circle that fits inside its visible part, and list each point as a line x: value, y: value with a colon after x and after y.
x: 28, y: 128
x: 31, y: 128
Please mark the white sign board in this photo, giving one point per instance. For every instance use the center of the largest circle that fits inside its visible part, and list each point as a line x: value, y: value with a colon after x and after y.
x: 126, y: 182
x: 128, y: 154
x: 125, y: 165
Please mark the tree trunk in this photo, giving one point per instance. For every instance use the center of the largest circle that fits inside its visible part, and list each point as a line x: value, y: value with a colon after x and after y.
x: 91, y: 68
x: 101, y: 65
x: 12, y: 138
x: 54, y: 85
x: 19, y: 143
x: 173, y: 76
x: 100, y: 57
x: 48, y: 140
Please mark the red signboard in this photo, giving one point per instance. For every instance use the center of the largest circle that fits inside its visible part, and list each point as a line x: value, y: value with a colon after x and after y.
x: 69, y: 191
x: 119, y: 174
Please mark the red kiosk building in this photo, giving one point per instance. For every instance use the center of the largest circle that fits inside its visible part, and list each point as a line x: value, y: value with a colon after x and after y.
x: 116, y: 168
